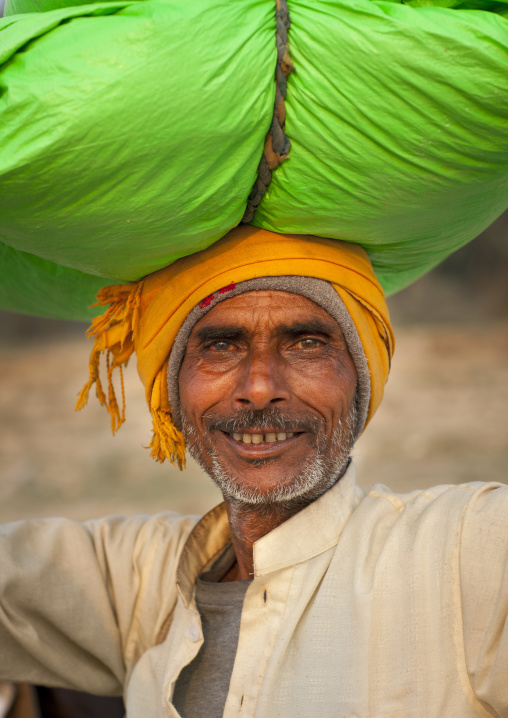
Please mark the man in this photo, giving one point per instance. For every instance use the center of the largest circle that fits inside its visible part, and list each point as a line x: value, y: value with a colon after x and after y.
x: 301, y: 594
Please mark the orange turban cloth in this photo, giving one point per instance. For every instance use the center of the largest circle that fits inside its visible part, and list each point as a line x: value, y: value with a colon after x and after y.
x: 144, y: 317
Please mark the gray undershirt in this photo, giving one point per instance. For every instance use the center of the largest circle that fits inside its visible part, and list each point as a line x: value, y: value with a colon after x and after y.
x: 202, y: 686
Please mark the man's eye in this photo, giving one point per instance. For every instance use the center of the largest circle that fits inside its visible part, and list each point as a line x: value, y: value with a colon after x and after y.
x: 309, y: 343
x: 220, y: 346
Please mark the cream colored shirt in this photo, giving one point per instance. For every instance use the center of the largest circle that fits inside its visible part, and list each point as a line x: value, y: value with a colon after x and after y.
x: 364, y: 605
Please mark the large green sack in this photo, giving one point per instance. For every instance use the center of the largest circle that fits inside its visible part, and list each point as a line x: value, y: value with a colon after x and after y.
x: 130, y: 134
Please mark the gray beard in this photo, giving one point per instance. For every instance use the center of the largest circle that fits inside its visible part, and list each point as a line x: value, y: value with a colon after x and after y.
x: 318, y: 474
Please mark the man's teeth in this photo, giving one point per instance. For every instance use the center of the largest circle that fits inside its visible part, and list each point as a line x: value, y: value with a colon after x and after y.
x: 263, y: 438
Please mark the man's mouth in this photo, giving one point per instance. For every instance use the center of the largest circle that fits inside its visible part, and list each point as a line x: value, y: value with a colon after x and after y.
x: 269, y: 437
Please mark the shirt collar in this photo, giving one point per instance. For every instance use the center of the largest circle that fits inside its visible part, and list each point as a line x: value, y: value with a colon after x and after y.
x: 308, y: 533
x: 205, y: 542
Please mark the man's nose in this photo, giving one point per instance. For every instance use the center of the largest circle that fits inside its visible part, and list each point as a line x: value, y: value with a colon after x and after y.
x: 261, y: 381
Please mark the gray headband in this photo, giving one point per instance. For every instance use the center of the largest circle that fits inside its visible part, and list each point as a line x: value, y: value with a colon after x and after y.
x: 318, y: 291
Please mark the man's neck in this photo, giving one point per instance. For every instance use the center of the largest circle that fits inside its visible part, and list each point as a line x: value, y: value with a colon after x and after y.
x: 250, y: 522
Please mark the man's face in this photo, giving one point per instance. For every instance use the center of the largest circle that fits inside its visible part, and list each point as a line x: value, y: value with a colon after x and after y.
x: 267, y: 389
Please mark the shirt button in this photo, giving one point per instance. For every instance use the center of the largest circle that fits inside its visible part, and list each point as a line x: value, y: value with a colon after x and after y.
x: 193, y: 634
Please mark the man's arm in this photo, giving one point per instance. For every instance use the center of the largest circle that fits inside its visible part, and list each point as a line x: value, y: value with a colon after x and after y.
x: 484, y: 595
x: 79, y: 603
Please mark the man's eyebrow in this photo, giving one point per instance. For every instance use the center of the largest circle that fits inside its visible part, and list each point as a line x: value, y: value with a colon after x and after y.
x: 312, y: 326
x: 235, y: 333
x: 206, y: 334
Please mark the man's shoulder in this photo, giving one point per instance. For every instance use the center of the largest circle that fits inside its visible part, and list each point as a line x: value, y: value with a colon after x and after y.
x: 441, y: 496
x: 143, y: 525
x: 443, y: 531
x: 113, y: 539
x: 142, y: 538
x: 441, y: 509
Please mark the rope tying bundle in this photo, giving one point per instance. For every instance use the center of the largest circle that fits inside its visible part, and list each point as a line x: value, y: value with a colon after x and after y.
x: 277, y: 144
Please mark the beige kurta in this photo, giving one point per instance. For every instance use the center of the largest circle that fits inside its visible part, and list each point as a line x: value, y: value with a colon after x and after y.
x: 363, y: 605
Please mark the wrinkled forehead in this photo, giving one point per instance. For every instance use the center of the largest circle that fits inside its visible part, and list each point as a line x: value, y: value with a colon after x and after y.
x: 265, y: 311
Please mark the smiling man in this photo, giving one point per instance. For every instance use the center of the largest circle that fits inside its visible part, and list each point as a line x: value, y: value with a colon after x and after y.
x: 267, y: 391
x: 300, y: 595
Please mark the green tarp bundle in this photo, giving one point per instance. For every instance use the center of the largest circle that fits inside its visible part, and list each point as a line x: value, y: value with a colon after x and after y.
x: 131, y: 131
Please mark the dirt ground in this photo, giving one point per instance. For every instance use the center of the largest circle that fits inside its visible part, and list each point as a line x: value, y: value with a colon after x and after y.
x: 444, y: 420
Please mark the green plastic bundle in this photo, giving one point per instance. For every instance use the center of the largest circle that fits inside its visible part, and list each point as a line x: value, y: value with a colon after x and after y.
x: 131, y: 131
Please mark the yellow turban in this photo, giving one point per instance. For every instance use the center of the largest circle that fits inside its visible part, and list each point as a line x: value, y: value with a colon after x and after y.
x: 144, y: 317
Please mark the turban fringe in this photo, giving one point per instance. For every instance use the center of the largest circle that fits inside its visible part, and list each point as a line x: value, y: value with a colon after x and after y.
x: 144, y: 317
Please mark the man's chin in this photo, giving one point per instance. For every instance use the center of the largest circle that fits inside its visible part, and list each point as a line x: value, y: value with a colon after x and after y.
x: 255, y: 488
x: 296, y: 471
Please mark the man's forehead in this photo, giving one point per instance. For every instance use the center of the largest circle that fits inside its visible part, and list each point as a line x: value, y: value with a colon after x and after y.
x: 270, y: 307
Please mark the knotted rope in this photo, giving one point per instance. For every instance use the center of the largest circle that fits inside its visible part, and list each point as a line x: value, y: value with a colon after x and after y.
x: 277, y: 144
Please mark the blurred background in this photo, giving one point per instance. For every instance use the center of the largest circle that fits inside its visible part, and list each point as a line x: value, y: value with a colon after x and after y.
x: 444, y: 418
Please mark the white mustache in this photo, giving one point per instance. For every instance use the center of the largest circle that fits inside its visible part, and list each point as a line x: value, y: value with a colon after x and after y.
x: 262, y: 422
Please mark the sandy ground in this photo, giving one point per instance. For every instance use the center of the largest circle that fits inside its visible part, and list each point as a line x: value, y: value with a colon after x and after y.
x: 444, y: 420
